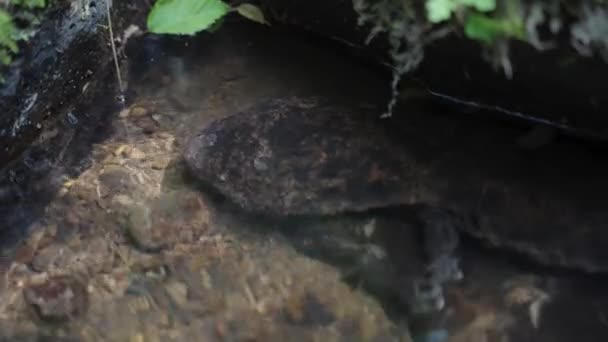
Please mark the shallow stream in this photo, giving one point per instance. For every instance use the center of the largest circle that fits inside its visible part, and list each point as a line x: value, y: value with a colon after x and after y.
x: 106, y: 237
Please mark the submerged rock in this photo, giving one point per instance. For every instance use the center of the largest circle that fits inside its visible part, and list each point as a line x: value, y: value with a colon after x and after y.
x: 306, y: 156
x: 387, y: 255
x: 303, y: 156
x: 57, y: 299
x: 297, y: 156
x: 174, y: 217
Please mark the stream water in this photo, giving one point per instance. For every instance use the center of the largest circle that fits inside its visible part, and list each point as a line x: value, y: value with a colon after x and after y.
x: 105, y: 237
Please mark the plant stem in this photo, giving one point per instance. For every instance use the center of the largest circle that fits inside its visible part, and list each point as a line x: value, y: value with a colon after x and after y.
x: 120, y: 84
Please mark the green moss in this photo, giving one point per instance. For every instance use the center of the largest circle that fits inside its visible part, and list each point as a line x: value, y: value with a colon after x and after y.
x: 10, y: 34
x: 31, y: 4
x: 8, y: 44
x: 487, y: 29
x: 441, y: 10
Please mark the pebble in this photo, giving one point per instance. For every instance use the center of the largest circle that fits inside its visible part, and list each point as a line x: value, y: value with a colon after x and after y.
x: 138, y: 112
x: 147, y: 124
x: 124, y: 113
x: 71, y: 219
x: 138, y: 228
x: 122, y: 200
x: 178, y: 292
x: 93, y: 257
x: 135, y: 153
x: 159, y: 163
x: 114, y: 179
x: 57, y: 299
x: 139, y: 337
x: 55, y: 256
x: 98, y: 255
x: 157, y: 118
x: 174, y: 217
x: 24, y: 253
x: 120, y: 150
x: 147, y: 234
x: 72, y: 119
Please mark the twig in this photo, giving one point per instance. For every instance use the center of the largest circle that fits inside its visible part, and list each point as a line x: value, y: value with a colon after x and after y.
x: 251, y: 297
x: 120, y: 84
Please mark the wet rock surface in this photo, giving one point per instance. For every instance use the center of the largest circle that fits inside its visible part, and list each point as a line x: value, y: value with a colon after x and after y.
x: 303, y: 156
x: 300, y: 156
x: 58, y: 70
x: 390, y: 256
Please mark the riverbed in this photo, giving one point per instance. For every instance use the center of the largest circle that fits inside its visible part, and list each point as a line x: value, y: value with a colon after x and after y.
x: 105, y: 236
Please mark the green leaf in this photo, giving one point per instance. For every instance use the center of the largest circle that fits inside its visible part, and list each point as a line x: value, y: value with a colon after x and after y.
x: 5, y: 57
x: 7, y: 32
x: 480, y: 5
x: 216, y: 25
x: 31, y: 3
x: 439, y: 10
x: 487, y: 29
x: 252, y: 12
x: 185, y: 16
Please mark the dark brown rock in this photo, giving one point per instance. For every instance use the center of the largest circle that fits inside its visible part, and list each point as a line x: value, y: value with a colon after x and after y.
x: 305, y: 156
x: 298, y: 156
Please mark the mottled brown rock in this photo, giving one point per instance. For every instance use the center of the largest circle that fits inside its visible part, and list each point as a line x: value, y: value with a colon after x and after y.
x: 174, y: 217
x: 297, y: 156
x: 92, y: 257
x: 306, y: 156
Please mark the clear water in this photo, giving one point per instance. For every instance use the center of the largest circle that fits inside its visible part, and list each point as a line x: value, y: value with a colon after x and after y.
x: 105, y: 232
